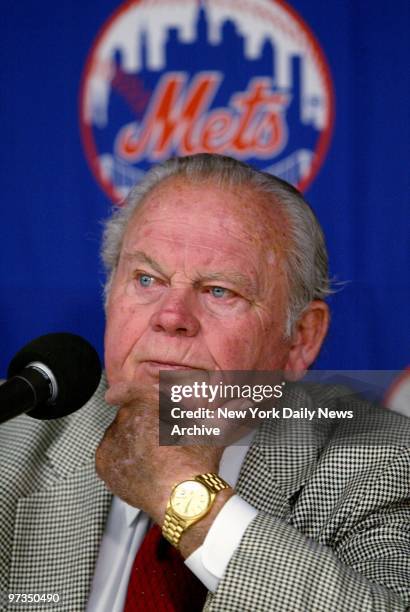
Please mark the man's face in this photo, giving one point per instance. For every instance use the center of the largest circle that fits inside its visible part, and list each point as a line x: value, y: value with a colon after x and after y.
x: 199, y: 285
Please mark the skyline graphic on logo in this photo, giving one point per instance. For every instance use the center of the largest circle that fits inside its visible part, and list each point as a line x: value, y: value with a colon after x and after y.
x: 245, y: 79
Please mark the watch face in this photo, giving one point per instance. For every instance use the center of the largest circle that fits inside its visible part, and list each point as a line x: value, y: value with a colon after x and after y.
x: 190, y: 499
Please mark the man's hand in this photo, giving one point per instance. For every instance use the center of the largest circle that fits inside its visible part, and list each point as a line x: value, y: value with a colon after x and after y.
x: 142, y: 473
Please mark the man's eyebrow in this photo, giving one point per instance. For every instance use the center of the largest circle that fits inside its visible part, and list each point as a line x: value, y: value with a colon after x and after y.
x: 232, y: 276
x: 143, y: 258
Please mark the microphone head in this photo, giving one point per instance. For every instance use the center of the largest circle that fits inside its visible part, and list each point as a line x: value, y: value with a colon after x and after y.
x: 74, y: 364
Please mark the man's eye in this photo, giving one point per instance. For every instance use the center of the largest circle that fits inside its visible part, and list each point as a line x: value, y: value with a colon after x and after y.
x: 145, y: 280
x: 220, y: 292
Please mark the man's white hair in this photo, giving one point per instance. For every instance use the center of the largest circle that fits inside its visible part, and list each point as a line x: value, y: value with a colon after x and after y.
x: 306, y: 260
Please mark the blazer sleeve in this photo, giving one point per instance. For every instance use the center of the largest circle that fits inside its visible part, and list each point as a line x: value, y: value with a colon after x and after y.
x: 364, y: 566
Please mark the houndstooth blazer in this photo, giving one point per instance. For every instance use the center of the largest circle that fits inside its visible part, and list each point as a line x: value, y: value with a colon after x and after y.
x: 332, y: 533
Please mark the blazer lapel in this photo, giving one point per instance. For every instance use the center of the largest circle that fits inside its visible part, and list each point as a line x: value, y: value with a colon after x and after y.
x: 280, y: 460
x: 58, y: 528
x: 282, y: 457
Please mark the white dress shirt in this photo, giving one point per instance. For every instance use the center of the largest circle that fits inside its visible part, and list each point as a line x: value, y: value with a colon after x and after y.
x: 126, y: 528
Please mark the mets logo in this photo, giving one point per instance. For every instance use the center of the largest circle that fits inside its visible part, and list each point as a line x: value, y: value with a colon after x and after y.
x: 245, y: 78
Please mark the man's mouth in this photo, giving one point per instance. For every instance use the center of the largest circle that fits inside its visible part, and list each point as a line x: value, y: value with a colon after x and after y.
x: 169, y: 365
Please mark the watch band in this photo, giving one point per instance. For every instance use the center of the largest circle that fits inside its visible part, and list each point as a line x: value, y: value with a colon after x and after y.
x: 214, y: 482
x: 173, y: 528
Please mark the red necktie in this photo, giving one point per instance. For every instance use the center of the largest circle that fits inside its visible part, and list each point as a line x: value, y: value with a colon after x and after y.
x: 160, y: 581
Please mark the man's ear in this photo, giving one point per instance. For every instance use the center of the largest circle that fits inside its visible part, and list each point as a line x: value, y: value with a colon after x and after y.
x: 308, y: 335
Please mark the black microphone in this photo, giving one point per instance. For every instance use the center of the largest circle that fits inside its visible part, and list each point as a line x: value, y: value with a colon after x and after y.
x: 50, y: 377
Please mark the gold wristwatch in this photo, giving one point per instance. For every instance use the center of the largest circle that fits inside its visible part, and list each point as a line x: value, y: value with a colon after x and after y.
x: 189, y: 502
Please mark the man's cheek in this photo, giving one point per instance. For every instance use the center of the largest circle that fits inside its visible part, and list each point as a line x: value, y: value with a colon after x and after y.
x: 119, y: 342
x: 112, y: 362
x: 236, y: 352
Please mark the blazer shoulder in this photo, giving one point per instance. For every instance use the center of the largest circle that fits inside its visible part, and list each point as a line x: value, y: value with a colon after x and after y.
x: 32, y: 446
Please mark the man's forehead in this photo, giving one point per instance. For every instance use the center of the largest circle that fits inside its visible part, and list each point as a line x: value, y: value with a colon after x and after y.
x: 208, y: 203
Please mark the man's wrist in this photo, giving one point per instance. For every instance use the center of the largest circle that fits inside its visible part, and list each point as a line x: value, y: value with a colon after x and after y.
x: 193, y: 537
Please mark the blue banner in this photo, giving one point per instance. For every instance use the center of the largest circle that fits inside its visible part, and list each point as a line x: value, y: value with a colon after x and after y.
x: 93, y: 94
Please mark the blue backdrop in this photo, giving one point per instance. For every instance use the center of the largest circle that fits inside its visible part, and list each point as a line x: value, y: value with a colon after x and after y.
x: 52, y: 205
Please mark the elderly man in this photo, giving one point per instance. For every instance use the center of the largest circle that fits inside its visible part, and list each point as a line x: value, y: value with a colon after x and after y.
x: 213, y: 266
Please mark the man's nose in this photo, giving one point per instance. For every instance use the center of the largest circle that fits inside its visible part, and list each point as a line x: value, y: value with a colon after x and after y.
x: 175, y: 315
